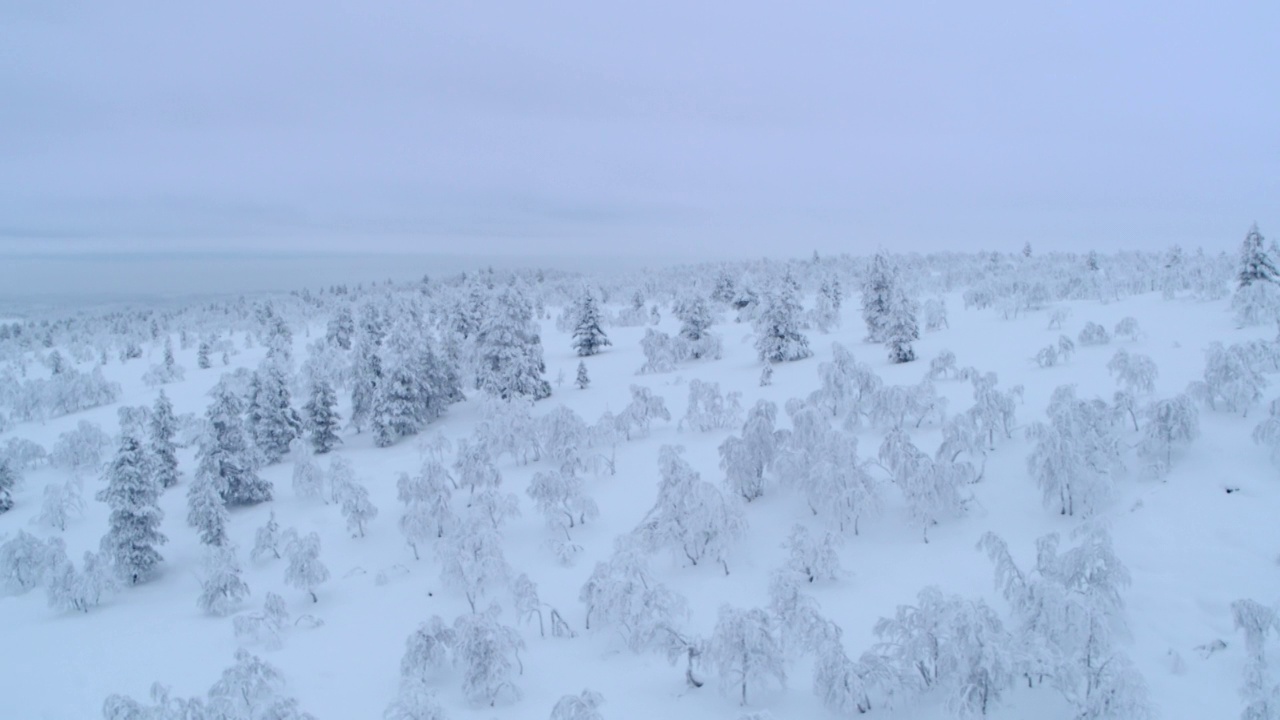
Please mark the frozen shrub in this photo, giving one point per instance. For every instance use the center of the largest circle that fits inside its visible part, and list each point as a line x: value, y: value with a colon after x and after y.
x: 1094, y: 334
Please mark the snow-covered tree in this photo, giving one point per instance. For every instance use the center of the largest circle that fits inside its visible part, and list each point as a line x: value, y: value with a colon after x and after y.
x: 356, y: 506
x: 745, y: 651
x: 745, y: 459
x: 202, y: 355
x: 660, y: 352
x: 225, y: 457
x: 935, y: 314
x: 427, y: 513
x: 709, y: 410
x: 1260, y: 690
x: 814, y: 558
x: 366, y: 369
x: 305, y: 570
x: 163, y: 427
x: 1093, y: 334
x: 474, y: 467
x: 1135, y: 373
x: 206, y: 511
x: 778, y: 335
x: 1128, y: 329
x: 582, y: 706
x: 427, y: 651
x: 222, y: 589
x: 322, y: 420
x: 582, y: 380
x: 509, y: 350
x: 489, y: 653
x: 847, y: 386
x: 560, y: 497
x: 252, y: 688
x: 272, y: 419
x: 934, y: 490
x: 308, y: 479
x: 414, y: 701
x: 1256, y: 298
x: 80, y: 450
x: 1172, y: 425
x: 588, y: 336
x: 267, y: 540
x: 62, y: 502
x: 8, y: 481
x: 839, y: 682
x: 1077, y: 453
x: 471, y: 558
x: 636, y: 418
x: 133, y: 495
x: 82, y: 590
x: 341, y: 328
x: 691, y: 516
x: 1231, y: 379
x: 877, y: 290
x: 266, y: 627
x: 25, y: 561
x: 900, y: 326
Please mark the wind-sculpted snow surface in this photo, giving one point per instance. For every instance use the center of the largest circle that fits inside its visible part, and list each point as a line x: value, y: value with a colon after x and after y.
x: 398, y: 498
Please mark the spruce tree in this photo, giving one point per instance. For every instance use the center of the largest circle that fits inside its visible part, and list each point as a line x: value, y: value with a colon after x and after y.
x: 583, y: 381
x: 164, y: 453
x: 367, y: 368
x: 1255, y: 264
x: 876, y: 296
x: 132, y: 493
x: 8, y: 479
x: 272, y: 419
x: 202, y: 356
x: 901, y: 328
x: 778, y: 336
x: 588, y: 336
x: 225, y: 456
x: 322, y: 417
x: 509, y: 350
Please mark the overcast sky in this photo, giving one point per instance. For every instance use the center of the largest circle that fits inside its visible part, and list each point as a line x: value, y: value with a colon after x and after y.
x: 742, y: 128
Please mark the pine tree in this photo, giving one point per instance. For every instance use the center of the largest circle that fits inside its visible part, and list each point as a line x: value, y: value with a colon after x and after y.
x: 900, y: 327
x: 509, y: 351
x: 366, y: 371
x: 8, y: 479
x: 225, y: 457
x: 132, y: 493
x: 876, y: 297
x: 778, y: 336
x: 582, y: 381
x: 206, y: 510
x: 322, y: 417
x: 588, y: 336
x: 272, y: 419
x: 164, y: 453
x: 202, y: 356
x: 1255, y: 264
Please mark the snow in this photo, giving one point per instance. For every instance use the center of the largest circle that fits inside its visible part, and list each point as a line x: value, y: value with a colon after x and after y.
x: 1191, y: 547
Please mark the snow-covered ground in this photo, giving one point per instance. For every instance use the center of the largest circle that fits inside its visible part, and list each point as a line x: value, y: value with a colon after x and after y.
x: 1191, y: 546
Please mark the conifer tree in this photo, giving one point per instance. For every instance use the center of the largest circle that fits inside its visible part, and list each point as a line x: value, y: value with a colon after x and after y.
x: 588, y: 336
x: 8, y: 479
x: 132, y: 493
x: 163, y: 429
x: 509, y: 351
x: 778, y: 336
x: 272, y: 419
x: 202, y: 356
x: 1255, y: 264
x: 225, y: 457
x: 876, y: 296
x: 901, y: 328
x: 322, y: 417
x: 582, y: 381
x: 367, y: 367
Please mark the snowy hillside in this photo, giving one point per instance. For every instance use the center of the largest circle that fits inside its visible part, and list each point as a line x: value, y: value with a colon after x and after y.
x: 778, y: 564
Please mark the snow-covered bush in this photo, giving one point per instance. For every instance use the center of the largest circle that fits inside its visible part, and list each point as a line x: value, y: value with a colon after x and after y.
x: 639, y: 414
x: 1135, y: 373
x: 943, y: 365
x: 709, y: 410
x: 935, y: 314
x: 81, y: 449
x: 1093, y: 334
x: 25, y: 561
x: 1231, y: 380
x: 1128, y: 329
x: 814, y: 558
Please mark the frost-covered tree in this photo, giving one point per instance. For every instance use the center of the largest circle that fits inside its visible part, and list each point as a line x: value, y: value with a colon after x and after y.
x: 366, y: 369
x: 582, y: 706
x: 1128, y: 329
x: 222, y: 589
x: 948, y: 644
x: 509, y: 350
x: 471, y: 558
x: 417, y: 384
x: 1172, y: 425
x: 271, y: 417
x: 308, y: 479
x: 994, y: 411
x: 588, y: 336
x: 745, y: 459
x: 489, y: 653
x: 162, y: 449
x: 427, y: 512
x: 356, y: 506
x: 427, y: 651
x: 202, y: 355
x: 1232, y: 379
x: 877, y: 290
x: 474, y: 467
x: 691, y: 516
x: 935, y: 314
x: 814, y: 558
x: 840, y: 683
x: 1256, y: 298
x: 133, y: 495
x: 266, y: 627
x: 900, y: 326
x: 660, y: 352
x: 305, y: 570
x: 847, y: 386
x: 321, y: 420
x: 341, y: 328
x: 62, y: 502
x: 695, y: 321
x: 560, y: 496
x: 1135, y: 373
x: 1260, y: 690
x: 1077, y: 454
x: 252, y: 688
x: 80, y: 450
x: 414, y: 701
x: 778, y: 323
x: 25, y: 560
x: 267, y: 540
x: 943, y: 366
x: 709, y: 410
x: 206, y: 511
x: 1093, y: 334
x: 934, y: 490
x: 745, y: 651
x: 636, y: 418
x: 80, y: 591
x: 582, y: 380
x: 1069, y: 615
x: 225, y: 457
x: 8, y: 481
